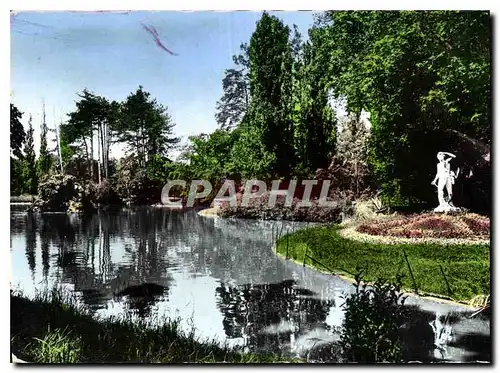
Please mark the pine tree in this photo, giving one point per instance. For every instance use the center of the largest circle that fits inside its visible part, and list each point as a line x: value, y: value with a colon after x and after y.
x: 30, y: 172
x: 44, y: 160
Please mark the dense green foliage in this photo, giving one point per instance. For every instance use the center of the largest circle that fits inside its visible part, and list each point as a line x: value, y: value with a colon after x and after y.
x: 44, y: 158
x: 17, y: 133
x: 374, y: 316
x: 271, y: 90
x: 467, y: 267
x: 422, y: 76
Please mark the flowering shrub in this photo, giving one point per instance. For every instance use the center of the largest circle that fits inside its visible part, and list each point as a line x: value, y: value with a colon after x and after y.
x: 58, y: 191
x: 258, y: 208
x: 430, y: 225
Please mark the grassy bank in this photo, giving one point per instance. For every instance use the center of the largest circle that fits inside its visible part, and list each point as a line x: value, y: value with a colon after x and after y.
x: 466, y: 267
x: 51, y: 328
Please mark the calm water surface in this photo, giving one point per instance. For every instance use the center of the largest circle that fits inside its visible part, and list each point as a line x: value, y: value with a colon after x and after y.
x: 220, y: 276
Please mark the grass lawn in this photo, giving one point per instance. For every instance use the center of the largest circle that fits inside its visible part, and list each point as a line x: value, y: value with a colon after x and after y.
x: 466, y: 267
x: 51, y: 328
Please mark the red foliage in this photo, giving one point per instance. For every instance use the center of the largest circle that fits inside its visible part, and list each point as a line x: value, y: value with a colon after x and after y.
x: 430, y: 225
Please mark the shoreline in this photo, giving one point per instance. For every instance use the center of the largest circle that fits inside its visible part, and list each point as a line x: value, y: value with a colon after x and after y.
x: 210, y: 212
x: 440, y: 298
x: 423, y: 295
x: 76, y: 336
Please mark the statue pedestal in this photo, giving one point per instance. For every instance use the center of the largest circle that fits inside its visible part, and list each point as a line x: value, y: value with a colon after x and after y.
x: 446, y: 208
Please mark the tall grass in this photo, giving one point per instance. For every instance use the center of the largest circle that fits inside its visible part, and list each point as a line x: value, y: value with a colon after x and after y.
x: 53, y: 328
x: 57, y: 346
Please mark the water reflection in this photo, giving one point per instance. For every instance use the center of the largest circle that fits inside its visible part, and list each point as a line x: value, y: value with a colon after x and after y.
x: 270, y: 315
x: 30, y: 236
x: 446, y: 335
x: 220, y: 274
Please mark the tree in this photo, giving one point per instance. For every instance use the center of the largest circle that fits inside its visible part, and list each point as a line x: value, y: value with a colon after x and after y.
x: 30, y: 175
x: 145, y: 127
x: 94, y: 116
x: 45, y: 158
x: 314, y: 119
x: 236, y: 87
x: 419, y: 74
x: 17, y: 134
x: 209, y: 155
x: 352, y: 155
x: 249, y: 157
x: 271, y: 61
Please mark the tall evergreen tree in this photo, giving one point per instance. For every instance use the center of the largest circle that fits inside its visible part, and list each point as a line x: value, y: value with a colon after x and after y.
x: 271, y: 89
x: 313, y: 117
x: 44, y: 159
x: 17, y: 136
x: 17, y: 133
x: 30, y: 174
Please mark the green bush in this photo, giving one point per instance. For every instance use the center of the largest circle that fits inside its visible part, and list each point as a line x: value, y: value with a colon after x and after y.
x: 374, y: 316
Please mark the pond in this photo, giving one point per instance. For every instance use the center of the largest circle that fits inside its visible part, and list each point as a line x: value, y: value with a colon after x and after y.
x: 219, y: 276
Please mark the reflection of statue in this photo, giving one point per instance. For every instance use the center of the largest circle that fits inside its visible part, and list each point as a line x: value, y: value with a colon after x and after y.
x: 445, y: 178
x: 442, y: 336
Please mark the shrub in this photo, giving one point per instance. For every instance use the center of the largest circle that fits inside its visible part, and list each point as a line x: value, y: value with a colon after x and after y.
x: 258, y: 209
x: 57, y: 191
x: 133, y: 185
x: 106, y: 194
x: 374, y: 316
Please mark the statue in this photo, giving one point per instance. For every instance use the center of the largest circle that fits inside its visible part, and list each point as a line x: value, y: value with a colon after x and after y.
x: 445, y: 178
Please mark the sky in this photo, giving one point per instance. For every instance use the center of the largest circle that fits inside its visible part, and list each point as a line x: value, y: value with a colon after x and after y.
x: 55, y: 55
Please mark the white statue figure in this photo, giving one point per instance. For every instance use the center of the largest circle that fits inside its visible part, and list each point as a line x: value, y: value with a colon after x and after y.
x: 445, y: 178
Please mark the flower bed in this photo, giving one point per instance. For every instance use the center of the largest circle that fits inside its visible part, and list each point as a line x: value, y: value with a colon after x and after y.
x: 430, y: 225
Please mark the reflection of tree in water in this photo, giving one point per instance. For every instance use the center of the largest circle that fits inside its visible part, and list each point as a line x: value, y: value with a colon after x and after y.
x: 30, y: 235
x: 209, y: 250
x: 249, y: 309
x: 143, y: 277
x: 83, y: 247
x: 56, y: 230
